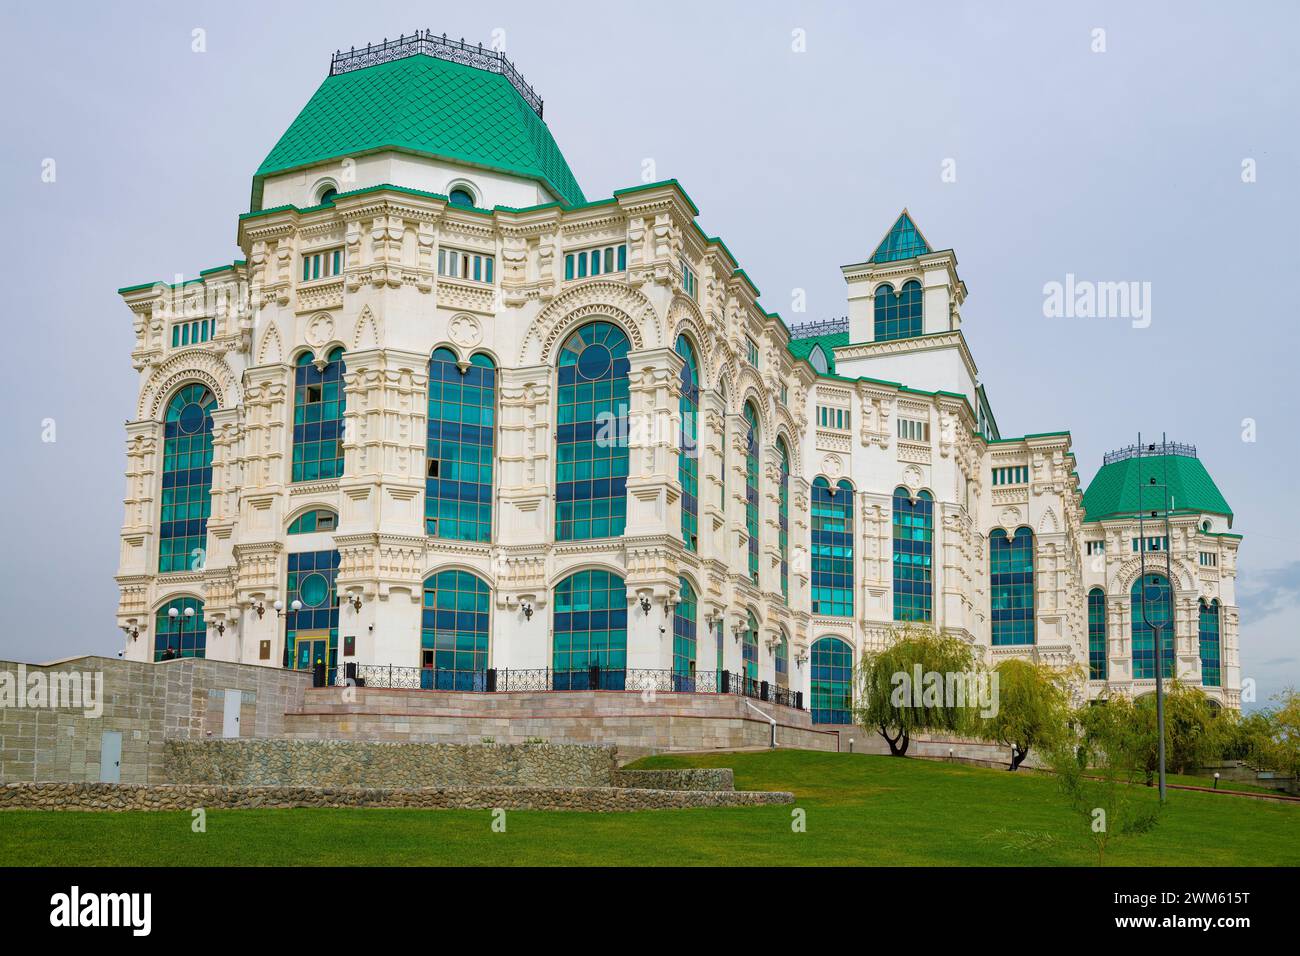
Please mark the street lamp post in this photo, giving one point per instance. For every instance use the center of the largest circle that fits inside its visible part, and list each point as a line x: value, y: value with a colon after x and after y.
x: 174, y: 614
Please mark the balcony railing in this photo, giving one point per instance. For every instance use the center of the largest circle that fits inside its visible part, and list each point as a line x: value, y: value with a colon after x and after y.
x: 806, y: 330
x: 545, y: 679
x: 1150, y: 448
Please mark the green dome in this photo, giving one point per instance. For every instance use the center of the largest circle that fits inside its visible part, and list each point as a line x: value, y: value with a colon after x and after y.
x: 1114, y: 492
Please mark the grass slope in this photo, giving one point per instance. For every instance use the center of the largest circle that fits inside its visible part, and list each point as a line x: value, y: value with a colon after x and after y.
x: 861, y: 810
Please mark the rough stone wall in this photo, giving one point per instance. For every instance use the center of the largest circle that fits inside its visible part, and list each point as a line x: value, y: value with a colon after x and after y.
x: 719, y: 780
x: 102, y: 796
x: 354, y: 763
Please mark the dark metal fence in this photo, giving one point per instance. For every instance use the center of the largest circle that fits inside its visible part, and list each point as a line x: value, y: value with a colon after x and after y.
x: 806, y: 330
x: 503, y: 680
x: 1152, y: 448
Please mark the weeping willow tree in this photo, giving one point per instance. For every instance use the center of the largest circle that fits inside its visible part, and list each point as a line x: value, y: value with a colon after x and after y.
x: 1033, y: 707
x: 921, y: 681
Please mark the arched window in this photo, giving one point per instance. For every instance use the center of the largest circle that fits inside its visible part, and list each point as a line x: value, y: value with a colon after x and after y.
x: 591, y: 434
x: 688, y: 461
x: 182, y: 634
x: 751, y: 488
x: 311, y: 522
x: 832, y: 548
x: 1153, y: 591
x: 684, y: 644
x: 186, y: 479
x: 461, y: 197
x: 749, y: 650
x: 817, y: 359
x: 1211, y: 671
x: 459, y: 451
x: 327, y: 195
x: 590, y: 632
x: 722, y: 475
x: 782, y: 661
x: 454, y: 632
x: 1097, y: 663
x: 832, y: 681
x: 913, y: 556
x: 898, y: 315
x: 318, y: 418
x: 1011, y: 586
x: 312, y: 631
x: 783, y: 516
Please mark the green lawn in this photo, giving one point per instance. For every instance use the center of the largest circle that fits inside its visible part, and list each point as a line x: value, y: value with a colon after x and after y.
x: 1190, y: 780
x: 861, y: 810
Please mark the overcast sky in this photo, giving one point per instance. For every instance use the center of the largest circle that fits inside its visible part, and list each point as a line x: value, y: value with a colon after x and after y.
x: 1122, y: 165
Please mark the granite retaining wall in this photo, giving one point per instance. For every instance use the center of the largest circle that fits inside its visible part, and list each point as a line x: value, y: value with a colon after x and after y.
x: 718, y: 779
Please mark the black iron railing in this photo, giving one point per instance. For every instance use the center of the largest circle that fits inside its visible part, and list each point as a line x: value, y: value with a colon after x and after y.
x: 503, y: 680
x: 428, y: 43
x: 1150, y: 448
x: 805, y: 330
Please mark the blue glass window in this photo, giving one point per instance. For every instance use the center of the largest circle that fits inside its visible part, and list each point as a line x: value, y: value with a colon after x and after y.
x: 913, y: 556
x: 1153, y: 591
x: 454, y: 632
x: 312, y: 632
x: 751, y: 489
x: 185, y: 634
x: 749, y: 649
x: 590, y: 630
x: 1211, y: 671
x: 684, y: 644
x: 781, y: 660
x: 1097, y: 658
x: 832, y: 681
x: 783, y: 517
x: 318, y: 418
x: 186, y: 479
x: 832, y: 548
x: 903, y: 241
x: 462, y: 198
x: 591, y: 435
x: 1011, y: 586
x: 898, y: 315
x: 462, y: 419
x: 688, y: 461
x: 310, y: 522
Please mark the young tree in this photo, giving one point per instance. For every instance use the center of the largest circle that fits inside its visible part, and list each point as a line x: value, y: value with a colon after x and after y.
x: 1280, y: 748
x: 1192, y: 738
x: 1033, y: 707
x: 897, y: 687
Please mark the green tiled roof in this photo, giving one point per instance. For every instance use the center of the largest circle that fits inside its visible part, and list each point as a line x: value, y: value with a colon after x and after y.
x: 903, y: 241
x: 423, y: 105
x: 802, y: 348
x: 1114, y: 491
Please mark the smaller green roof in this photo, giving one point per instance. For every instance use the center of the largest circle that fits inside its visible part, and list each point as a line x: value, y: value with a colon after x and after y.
x: 802, y: 348
x: 903, y: 241
x: 1123, y: 488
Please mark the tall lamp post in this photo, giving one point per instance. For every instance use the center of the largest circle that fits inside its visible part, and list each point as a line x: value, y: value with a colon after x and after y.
x: 295, y: 605
x: 174, y: 614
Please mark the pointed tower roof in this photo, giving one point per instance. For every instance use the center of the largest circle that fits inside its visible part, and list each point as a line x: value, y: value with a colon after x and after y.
x: 903, y: 241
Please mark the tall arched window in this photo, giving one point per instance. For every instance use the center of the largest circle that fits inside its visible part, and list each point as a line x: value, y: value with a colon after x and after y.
x: 1211, y: 671
x: 591, y: 455
x: 186, y: 479
x: 1011, y: 586
x: 749, y: 649
x: 318, y: 418
x: 459, y: 450
x: 913, y: 556
x: 684, y: 644
x: 590, y: 632
x: 1097, y: 663
x: 1153, y: 591
x: 688, y: 461
x: 832, y: 681
x: 183, y: 633
x: 751, y: 488
x: 898, y: 315
x: 783, y: 516
x: 312, y: 632
x: 781, y: 659
x: 832, y: 548
x: 454, y: 632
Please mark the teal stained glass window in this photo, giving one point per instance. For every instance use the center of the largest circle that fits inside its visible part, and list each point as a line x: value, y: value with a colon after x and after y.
x: 312, y: 632
x: 903, y: 241
x: 1011, y: 586
x: 459, y: 450
x: 832, y: 681
x: 749, y: 648
x: 311, y: 522
x: 186, y: 479
x: 318, y: 418
x: 751, y: 489
x: 898, y: 315
x: 1211, y: 670
x: 913, y: 556
x: 684, y: 643
x: 1097, y: 658
x: 454, y: 632
x: 591, y: 434
x: 590, y: 631
x: 186, y: 635
x: 783, y: 516
x: 832, y: 548
x: 1152, y: 590
x: 688, y: 460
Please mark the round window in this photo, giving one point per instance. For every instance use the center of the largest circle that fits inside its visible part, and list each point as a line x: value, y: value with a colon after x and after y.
x: 593, y: 362
x: 191, y: 418
x: 461, y: 197
x: 314, y: 589
x: 328, y: 195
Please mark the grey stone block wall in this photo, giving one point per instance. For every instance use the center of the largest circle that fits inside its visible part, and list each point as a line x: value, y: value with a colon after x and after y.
x: 717, y: 779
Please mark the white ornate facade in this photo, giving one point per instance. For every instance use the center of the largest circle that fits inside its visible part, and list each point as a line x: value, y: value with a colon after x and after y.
x: 391, y: 297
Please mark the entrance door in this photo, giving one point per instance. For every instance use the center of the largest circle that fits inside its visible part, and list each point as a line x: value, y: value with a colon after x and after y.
x: 110, y: 757
x: 230, y: 719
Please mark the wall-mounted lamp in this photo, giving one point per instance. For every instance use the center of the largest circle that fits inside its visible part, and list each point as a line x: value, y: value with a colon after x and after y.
x: 134, y: 631
x: 527, y: 608
x: 220, y: 628
x: 356, y: 603
x: 645, y: 605
x: 801, y: 660
x: 260, y: 608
